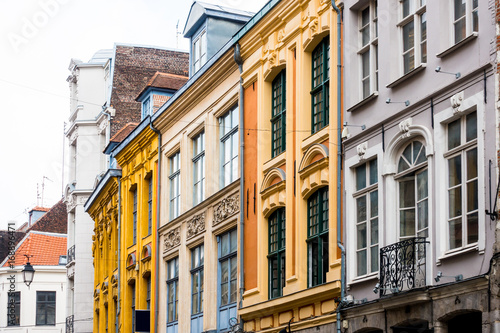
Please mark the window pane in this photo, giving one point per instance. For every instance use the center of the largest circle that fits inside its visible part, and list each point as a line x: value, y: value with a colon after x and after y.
x: 361, y: 208
x: 423, y: 37
x: 422, y: 185
x: 234, y: 241
x: 472, y: 228
x: 472, y: 164
x: 374, y: 231
x: 423, y: 213
x: 455, y: 202
x: 459, y: 8
x: 407, y: 194
x: 374, y: 258
x: 407, y: 223
x: 373, y: 172
x: 374, y: 204
x: 361, y: 177
x: 471, y: 126
x: 454, y: 171
x: 224, y: 244
x: 361, y: 235
x: 361, y: 259
x: 454, y: 134
x: 472, y: 196
x: 455, y: 233
x: 459, y: 30
x: 406, y: 7
x: 365, y: 16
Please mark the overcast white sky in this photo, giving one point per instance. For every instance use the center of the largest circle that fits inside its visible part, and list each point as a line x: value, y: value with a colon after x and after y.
x: 38, y: 38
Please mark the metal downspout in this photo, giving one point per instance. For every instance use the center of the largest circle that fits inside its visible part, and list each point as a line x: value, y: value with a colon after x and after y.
x: 117, y: 323
x: 157, y: 252
x: 339, y: 166
x: 239, y: 62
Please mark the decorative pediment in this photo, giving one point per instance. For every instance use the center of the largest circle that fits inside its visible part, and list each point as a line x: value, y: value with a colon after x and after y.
x: 226, y: 208
x: 146, y: 252
x: 131, y: 261
x: 172, y: 238
x: 195, y: 226
x: 273, y: 191
x: 313, y: 169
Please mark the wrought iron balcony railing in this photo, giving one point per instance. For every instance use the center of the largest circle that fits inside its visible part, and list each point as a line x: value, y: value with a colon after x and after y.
x: 69, y: 324
x: 402, y: 266
x: 71, y: 254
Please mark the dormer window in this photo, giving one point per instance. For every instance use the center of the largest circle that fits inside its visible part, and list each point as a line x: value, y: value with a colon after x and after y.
x: 199, y: 50
x: 146, y: 107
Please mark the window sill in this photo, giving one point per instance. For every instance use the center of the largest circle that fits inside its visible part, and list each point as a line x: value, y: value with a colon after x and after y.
x: 457, y: 45
x: 456, y: 252
x: 364, y: 278
x: 411, y: 73
x: 364, y: 101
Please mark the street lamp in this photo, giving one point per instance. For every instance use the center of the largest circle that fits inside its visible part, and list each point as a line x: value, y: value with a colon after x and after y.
x: 28, y: 272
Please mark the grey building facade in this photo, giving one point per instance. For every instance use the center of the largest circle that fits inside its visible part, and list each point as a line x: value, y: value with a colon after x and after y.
x: 419, y: 227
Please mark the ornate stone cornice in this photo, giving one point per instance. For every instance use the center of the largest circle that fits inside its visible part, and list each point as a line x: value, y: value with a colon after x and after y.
x: 226, y: 208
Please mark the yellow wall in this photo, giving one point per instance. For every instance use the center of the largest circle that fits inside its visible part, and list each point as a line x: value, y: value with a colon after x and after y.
x: 284, y: 40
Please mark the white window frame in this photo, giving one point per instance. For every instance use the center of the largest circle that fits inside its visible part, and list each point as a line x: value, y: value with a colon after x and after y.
x: 199, y: 50
x: 147, y: 107
x: 175, y: 184
x: 366, y: 192
x: 228, y: 133
x: 468, y: 17
x: 417, y: 10
x: 198, y: 168
x: 373, y: 152
x: 370, y: 48
x: 469, y: 104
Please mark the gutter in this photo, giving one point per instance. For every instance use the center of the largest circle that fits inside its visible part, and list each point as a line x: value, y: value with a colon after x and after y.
x: 117, y: 324
x: 239, y: 62
x: 157, y: 252
x: 339, y: 165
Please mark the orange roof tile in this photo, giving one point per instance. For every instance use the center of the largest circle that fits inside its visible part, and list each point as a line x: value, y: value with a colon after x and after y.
x: 44, y: 248
x: 167, y: 81
x: 40, y: 209
x: 123, y: 132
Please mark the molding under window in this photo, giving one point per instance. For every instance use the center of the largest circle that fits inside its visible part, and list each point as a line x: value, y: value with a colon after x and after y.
x: 406, y: 76
x: 275, y: 162
x: 454, y: 47
x: 363, y: 278
x: 364, y: 101
x: 455, y: 252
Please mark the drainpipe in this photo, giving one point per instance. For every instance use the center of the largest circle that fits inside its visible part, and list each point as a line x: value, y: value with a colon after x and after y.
x: 117, y: 324
x: 157, y: 252
x: 339, y: 166
x: 239, y: 62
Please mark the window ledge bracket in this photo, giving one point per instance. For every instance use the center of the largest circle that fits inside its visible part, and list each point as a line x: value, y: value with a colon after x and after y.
x: 414, y: 71
x: 364, y: 101
x: 457, y: 45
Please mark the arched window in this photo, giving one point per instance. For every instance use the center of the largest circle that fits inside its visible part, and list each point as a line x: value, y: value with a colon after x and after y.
x: 276, y: 256
x: 413, y: 192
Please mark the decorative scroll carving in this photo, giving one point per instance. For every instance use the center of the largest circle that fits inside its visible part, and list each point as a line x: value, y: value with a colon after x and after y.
x: 227, y: 207
x: 196, y: 225
x: 456, y: 102
x: 314, y: 26
x: 173, y: 238
x: 404, y: 127
x: 82, y: 200
x: 273, y: 57
x: 70, y: 203
x: 281, y: 35
x: 361, y: 148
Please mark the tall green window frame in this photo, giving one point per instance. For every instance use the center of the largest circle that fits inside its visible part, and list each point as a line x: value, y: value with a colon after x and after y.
x: 320, y: 91
x: 276, y: 256
x: 278, y: 119
x: 134, y: 216
x: 317, y: 237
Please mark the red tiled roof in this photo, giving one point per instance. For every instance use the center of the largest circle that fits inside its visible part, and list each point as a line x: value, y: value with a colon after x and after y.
x: 167, y: 81
x: 40, y: 209
x: 122, y: 134
x: 44, y: 248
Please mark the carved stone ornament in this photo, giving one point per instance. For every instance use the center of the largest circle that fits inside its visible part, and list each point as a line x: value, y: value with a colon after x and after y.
x: 173, y: 238
x: 273, y: 59
x: 361, y: 149
x: 404, y: 127
x: 456, y: 102
x: 196, y: 225
x: 226, y: 208
x: 314, y: 26
x: 82, y: 200
x: 281, y: 35
x: 102, y: 126
x: 70, y: 203
x: 73, y: 137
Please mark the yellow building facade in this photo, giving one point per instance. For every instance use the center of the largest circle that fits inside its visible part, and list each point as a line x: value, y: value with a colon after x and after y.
x: 292, y: 262
x: 123, y: 207
x: 104, y: 211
